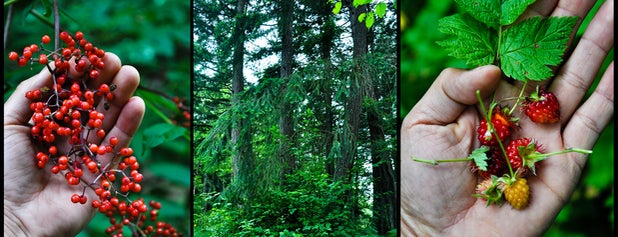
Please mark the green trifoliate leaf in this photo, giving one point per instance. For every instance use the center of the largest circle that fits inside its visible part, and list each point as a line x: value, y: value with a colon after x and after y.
x: 530, y: 47
x: 473, y: 41
x: 495, y: 12
x: 480, y: 158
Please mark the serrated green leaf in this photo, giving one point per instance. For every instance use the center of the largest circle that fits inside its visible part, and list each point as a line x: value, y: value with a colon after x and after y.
x: 479, y: 157
x: 495, y: 12
x: 473, y: 41
x: 512, y: 9
x: 381, y: 9
x: 337, y: 8
x: 530, y: 47
x: 486, y: 11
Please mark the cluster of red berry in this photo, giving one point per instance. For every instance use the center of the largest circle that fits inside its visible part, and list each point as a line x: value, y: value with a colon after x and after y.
x: 68, y: 111
x: 507, y: 168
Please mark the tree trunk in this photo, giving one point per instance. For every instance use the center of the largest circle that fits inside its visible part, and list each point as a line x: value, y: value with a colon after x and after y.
x: 384, y: 192
x: 242, y: 160
x: 286, y: 119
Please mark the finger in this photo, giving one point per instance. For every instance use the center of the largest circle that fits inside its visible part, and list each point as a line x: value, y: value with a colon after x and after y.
x: 452, y: 91
x: 577, y: 74
x: 107, y: 75
x: 16, y: 109
x: 594, y: 114
x: 126, y: 81
x: 127, y: 124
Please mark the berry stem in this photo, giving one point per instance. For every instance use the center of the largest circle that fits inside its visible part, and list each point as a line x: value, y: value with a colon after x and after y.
x: 570, y: 149
x: 435, y: 162
x: 490, y: 126
x: 521, y: 93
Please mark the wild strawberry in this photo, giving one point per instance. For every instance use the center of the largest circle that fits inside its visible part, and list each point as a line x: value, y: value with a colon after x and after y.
x: 542, y: 107
x: 490, y: 190
x: 517, y: 193
x: 496, y: 164
x: 502, y: 125
x: 523, y: 154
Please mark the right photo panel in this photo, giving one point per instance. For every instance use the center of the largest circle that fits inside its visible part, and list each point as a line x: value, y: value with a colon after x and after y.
x: 506, y: 111
x: 294, y: 120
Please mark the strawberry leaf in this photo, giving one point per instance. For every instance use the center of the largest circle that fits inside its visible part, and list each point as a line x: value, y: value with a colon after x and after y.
x: 473, y: 41
x: 479, y: 157
x: 495, y: 12
x: 530, y: 47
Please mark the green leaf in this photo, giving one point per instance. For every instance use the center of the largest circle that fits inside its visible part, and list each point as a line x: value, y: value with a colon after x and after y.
x: 530, y: 47
x: 381, y: 9
x: 473, y: 41
x: 486, y: 11
x: 337, y: 8
x: 370, y: 20
x: 172, y: 172
x: 361, y: 17
x: 357, y: 3
x: 494, y: 13
x: 512, y: 9
x: 159, y: 133
x: 479, y: 157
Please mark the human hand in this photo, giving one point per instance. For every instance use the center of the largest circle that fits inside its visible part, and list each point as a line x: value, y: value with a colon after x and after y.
x: 438, y: 201
x: 37, y: 202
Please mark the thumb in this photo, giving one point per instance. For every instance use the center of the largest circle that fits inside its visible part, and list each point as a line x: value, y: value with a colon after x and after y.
x: 452, y: 92
x: 16, y: 108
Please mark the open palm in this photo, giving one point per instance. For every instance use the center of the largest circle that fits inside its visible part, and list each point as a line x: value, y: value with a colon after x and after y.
x: 37, y: 202
x: 438, y: 201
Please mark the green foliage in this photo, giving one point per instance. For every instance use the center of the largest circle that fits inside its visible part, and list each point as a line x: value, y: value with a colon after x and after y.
x: 534, y: 43
x: 153, y: 37
x: 524, y: 50
x: 474, y: 41
x: 479, y: 157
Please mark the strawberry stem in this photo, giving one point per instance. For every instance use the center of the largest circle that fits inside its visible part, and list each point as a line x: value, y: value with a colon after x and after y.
x: 435, y: 162
x: 521, y: 93
x: 571, y: 149
x: 490, y: 126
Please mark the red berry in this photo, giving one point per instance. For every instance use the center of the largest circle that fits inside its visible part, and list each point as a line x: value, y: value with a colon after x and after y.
x: 521, y: 156
x: 542, y: 107
x: 94, y: 74
x: 75, y: 198
x: 496, y: 164
x: 503, y: 125
x: 13, y: 56
x: 45, y: 39
x: 43, y: 59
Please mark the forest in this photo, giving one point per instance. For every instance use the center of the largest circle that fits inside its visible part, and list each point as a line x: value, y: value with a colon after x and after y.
x: 295, y: 118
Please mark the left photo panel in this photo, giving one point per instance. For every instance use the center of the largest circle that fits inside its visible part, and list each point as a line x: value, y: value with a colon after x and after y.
x: 97, y: 118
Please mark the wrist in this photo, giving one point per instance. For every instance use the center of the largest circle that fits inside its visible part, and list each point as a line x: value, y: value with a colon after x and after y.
x: 13, y: 226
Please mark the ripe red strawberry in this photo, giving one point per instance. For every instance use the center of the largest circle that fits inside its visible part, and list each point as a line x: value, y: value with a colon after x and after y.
x: 542, y: 107
x: 517, y: 193
x: 503, y: 125
x: 523, y: 154
x: 496, y: 164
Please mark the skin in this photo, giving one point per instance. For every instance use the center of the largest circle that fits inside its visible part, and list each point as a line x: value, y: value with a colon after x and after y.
x: 37, y: 202
x: 438, y: 201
